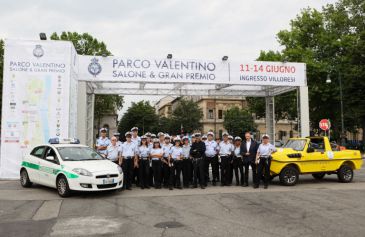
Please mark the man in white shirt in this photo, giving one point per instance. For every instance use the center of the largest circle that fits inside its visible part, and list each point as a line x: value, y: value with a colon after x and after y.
x: 166, y: 146
x: 113, y: 151
x: 117, y: 135
x: 225, y: 152
x: 135, y: 138
x: 263, y: 160
x: 102, y: 142
x: 211, y: 151
x: 129, y: 154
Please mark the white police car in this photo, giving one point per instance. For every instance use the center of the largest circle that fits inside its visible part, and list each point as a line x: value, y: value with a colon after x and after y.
x: 66, y: 165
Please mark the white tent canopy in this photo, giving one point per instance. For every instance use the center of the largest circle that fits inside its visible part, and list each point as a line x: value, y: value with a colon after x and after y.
x: 49, y: 90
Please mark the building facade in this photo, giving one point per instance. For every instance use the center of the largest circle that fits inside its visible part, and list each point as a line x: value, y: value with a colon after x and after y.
x: 213, y: 115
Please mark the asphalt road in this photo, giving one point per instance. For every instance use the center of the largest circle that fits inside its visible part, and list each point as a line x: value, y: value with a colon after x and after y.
x: 312, y: 208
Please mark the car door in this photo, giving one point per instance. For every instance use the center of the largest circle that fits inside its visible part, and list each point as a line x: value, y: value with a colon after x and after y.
x: 318, y: 158
x: 33, y: 163
x: 49, y: 169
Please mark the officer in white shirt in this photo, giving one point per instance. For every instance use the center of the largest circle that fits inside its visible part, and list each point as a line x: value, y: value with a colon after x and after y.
x: 144, y: 163
x: 166, y: 146
x: 156, y: 156
x: 225, y: 152
x: 175, y: 161
x: 113, y: 151
x: 102, y: 142
x: 211, y: 157
x: 128, y: 157
x: 161, y: 137
x: 135, y: 138
x: 187, y: 166
x: 117, y: 135
x: 263, y: 160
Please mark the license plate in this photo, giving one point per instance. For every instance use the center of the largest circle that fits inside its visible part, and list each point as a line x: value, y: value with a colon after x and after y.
x: 108, y: 181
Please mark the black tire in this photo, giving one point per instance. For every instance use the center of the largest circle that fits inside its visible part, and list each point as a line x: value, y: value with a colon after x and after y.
x: 318, y: 176
x: 62, y: 186
x: 24, y: 179
x: 289, y: 176
x: 345, y: 174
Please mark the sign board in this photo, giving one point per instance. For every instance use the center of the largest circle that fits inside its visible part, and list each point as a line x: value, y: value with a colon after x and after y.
x: 36, y: 96
x: 157, y: 70
x: 324, y: 124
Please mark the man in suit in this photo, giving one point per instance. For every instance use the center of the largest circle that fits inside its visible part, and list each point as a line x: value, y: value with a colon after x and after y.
x: 248, y: 151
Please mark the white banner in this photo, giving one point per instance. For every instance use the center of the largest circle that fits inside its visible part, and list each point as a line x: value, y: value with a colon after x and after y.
x: 191, y: 71
x: 36, y: 94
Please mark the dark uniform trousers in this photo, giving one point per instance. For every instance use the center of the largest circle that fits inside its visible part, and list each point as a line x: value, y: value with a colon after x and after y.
x: 175, y: 173
x: 247, y: 165
x: 144, y: 172
x: 198, y: 164
x: 207, y: 162
x: 238, y: 166
x: 127, y: 167
x: 263, y: 169
x: 225, y: 170
x: 156, y: 167
x: 165, y: 173
x: 186, y: 171
x: 215, y: 168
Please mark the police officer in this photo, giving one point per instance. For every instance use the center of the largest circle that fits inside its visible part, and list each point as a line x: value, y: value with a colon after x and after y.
x: 161, y: 137
x: 135, y: 138
x: 197, y: 151
x: 113, y: 151
x: 117, y: 135
x: 128, y: 157
x: 211, y: 157
x: 186, y: 163
x: 102, y: 142
x: 175, y: 162
x: 230, y: 139
x: 166, y: 146
x: 144, y: 163
x: 156, y: 156
x: 225, y: 152
x: 237, y: 162
x: 248, y: 152
x: 263, y: 160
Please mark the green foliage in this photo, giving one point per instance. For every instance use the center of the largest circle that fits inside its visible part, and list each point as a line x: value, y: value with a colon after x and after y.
x: 141, y: 115
x: 188, y: 114
x: 237, y: 121
x: 331, y: 41
x: 285, y: 104
x: 85, y: 44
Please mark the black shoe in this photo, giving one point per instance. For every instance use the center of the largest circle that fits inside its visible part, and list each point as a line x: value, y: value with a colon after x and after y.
x: 202, y: 187
x: 171, y: 188
x: 222, y: 184
x: 142, y: 187
x: 179, y: 187
x: 245, y: 185
x: 255, y: 186
x: 148, y: 187
x: 265, y: 186
x: 195, y: 186
x: 129, y: 188
x: 214, y: 183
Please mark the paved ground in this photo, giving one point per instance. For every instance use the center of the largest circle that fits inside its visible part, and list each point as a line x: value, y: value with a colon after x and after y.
x: 312, y: 208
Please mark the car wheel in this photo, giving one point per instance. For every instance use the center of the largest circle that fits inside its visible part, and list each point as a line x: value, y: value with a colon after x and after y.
x: 318, y: 175
x: 345, y: 174
x: 289, y: 176
x: 62, y: 187
x: 24, y: 179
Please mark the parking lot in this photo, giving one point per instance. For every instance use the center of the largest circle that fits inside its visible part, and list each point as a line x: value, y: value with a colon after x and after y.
x: 312, y: 208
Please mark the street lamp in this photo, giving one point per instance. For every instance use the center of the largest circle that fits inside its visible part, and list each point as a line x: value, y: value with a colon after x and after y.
x: 328, y: 81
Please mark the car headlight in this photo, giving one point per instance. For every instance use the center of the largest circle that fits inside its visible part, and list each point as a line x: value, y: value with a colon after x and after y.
x: 82, y: 171
x: 120, y: 170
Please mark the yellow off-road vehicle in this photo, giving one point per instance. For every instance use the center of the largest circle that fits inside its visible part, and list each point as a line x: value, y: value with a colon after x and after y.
x: 316, y: 156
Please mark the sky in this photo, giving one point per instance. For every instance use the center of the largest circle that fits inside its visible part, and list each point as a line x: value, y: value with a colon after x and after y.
x: 206, y: 29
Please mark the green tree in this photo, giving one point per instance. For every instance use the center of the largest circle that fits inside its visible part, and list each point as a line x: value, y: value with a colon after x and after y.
x: 285, y: 104
x: 85, y: 44
x: 141, y: 115
x: 331, y: 41
x: 237, y: 121
x: 1, y: 74
x: 188, y: 115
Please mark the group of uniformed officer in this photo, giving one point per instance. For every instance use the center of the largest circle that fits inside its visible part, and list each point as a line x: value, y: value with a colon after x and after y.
x: 159, y: 161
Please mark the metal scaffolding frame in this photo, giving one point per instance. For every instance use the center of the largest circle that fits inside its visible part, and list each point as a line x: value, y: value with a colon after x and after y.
x: 177, y: 89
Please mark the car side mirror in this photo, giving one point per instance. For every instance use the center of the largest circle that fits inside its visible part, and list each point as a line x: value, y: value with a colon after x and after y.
x: 50, y: 158
x: 310, y: 149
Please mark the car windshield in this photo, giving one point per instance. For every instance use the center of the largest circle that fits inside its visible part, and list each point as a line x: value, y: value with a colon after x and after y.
x: 297, y: 145
x: 78, y: 154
